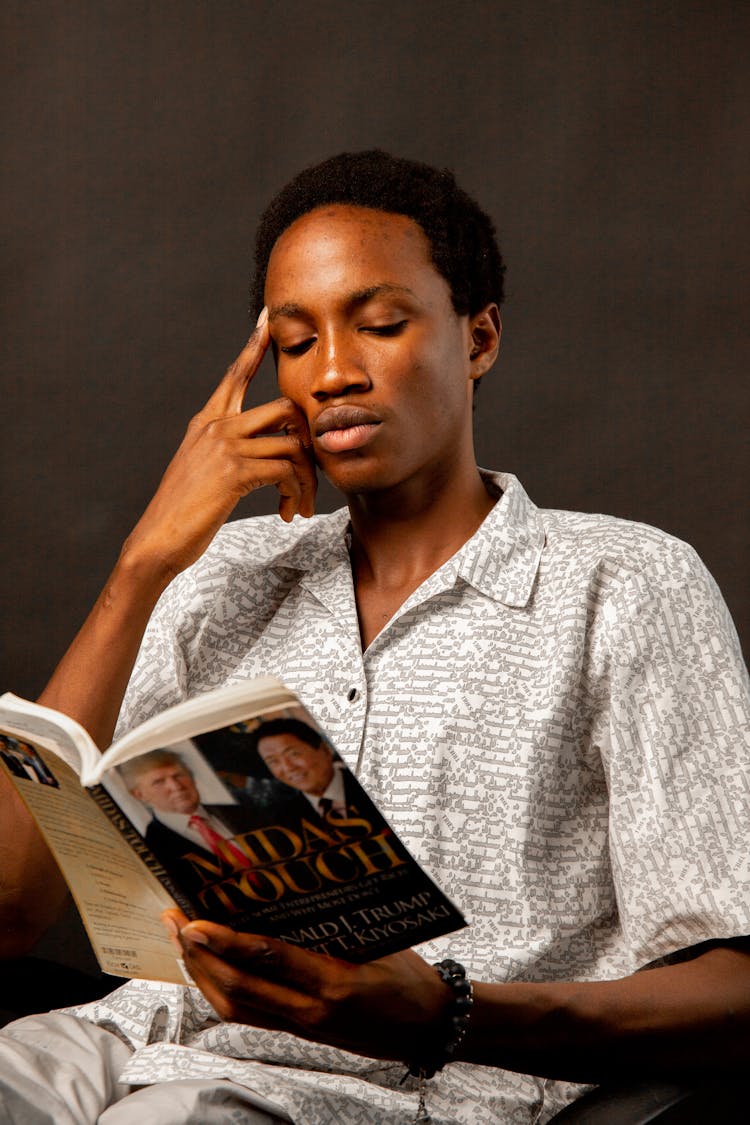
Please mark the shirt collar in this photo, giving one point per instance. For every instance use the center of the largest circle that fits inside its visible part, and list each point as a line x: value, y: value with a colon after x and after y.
x: 180, y: 822
x: 322, y: 555
x: 334, y: 791
x: 500, y: 559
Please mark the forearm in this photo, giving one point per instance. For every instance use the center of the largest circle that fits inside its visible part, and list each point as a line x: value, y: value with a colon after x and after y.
x: 90, y: 681
x: 32, y: 890
x: 693, y: 1017
x: 88, y: 684
x: 225, y: 454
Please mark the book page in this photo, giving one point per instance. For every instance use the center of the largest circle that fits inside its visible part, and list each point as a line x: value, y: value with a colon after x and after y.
x: 119, y: 900
x: 209, y: 711
x: 48, y: 728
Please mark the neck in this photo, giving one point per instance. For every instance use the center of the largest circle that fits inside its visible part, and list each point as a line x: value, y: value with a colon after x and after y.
x: 402, y: 535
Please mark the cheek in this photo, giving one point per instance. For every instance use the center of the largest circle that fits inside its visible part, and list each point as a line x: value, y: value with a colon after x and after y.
x: 431, y: 383
x: 406, y: 372
x: 291, y: 381
x: 431, y: 361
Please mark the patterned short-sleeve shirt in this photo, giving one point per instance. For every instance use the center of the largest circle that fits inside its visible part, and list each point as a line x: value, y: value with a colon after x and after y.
x: 556, y: 723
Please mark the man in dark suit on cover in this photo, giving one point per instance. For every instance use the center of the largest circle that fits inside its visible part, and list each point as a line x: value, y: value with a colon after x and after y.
x: 181, y: 826
x: 294, y: 753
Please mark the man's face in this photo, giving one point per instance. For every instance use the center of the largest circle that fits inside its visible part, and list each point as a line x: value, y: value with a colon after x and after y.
x: 168, y: 788
x: 294, y: 762
x: 369, y: 347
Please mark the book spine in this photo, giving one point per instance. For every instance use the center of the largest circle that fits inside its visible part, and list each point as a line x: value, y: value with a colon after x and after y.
x: 141, y: 848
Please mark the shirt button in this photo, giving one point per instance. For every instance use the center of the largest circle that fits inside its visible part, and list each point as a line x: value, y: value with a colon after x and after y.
x: 352, y: 694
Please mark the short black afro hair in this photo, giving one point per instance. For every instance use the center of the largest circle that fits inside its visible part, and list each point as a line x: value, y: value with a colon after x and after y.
x: 462, y: 236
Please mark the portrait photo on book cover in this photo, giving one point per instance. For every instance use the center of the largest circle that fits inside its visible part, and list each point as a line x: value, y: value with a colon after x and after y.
x: 256, y: 817
x: 23, y: 761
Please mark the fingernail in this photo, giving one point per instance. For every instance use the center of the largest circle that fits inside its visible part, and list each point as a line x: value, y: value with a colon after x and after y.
x: 259, y: 950
x: 194, y: 937
x: 263, y: 317
x: 171, y: 925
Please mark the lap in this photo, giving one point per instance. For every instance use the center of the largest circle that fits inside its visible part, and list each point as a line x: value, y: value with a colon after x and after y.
x: 191, y: 1101
x: 56, y: 1069
x: 59, y: 1070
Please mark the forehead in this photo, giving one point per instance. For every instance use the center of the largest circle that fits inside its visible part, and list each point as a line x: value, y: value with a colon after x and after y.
x: 277, y: 743
x: 339, y: 249
x: 168, y: 769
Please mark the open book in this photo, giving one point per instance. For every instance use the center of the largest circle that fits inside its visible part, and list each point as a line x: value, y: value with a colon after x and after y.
x: 234, y: 806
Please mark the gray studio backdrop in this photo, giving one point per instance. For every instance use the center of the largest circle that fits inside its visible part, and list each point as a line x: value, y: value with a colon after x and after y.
x: 608, y: 140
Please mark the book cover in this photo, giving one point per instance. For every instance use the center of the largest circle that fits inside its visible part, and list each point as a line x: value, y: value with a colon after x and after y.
x: 256, y: 823
x: 263, y: 828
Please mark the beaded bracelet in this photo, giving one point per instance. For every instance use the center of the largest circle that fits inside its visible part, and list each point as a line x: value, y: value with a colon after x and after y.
x: 454, y: 976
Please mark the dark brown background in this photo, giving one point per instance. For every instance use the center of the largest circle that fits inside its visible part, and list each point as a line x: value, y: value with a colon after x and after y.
x: 608, y: 140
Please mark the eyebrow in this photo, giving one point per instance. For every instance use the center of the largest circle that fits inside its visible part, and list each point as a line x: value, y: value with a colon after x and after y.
x: 352, y: 301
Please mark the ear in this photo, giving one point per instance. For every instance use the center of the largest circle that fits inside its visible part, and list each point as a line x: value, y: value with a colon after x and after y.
x: 485, y: 329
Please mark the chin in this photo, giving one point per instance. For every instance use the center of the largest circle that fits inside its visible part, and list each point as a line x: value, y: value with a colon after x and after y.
x: 359, y: 478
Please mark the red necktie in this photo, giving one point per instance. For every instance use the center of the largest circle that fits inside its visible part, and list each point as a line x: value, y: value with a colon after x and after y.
x: 222, y: 848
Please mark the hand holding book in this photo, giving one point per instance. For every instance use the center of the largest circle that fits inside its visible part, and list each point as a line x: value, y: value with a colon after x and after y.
x: 380, y: 1009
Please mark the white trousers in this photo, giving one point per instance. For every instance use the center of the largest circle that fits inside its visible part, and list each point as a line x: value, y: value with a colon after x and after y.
x: 59, y: 1070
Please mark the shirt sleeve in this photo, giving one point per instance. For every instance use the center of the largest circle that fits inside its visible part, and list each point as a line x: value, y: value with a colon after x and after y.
x: 676, y: 754
x: 224, y: 599
x: 159, y: 676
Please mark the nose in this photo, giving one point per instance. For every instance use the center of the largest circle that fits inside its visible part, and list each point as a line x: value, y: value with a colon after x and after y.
x: 338, y: 369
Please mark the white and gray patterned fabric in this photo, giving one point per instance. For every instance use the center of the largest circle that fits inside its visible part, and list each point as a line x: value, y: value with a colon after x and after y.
x: 555, y: 722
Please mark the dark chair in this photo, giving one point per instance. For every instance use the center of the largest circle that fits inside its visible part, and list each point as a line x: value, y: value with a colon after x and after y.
x: 663, y: 1103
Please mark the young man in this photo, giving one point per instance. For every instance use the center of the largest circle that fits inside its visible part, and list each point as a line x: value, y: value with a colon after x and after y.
x: 548, y: 707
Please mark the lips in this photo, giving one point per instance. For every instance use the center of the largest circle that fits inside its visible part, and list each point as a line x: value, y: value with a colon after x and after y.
x: 343, y: 418
x: 342, y: 429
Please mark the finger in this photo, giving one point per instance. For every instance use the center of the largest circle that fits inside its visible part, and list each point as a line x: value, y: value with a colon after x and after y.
x: 280, y: 415
x: 308, y: 476
x: 270, y: 447
x: 174, y: 917
x: 260, y: 956
x: 173, y: 921
x: 280, y: 472
x: 269, y: 461
x: 297, y: 425
x: 230, y: 393
x: 240, y: 996
x: 287, y: 448
x: 284, y: 415
x: 303, y: 461
x: 242, y: 986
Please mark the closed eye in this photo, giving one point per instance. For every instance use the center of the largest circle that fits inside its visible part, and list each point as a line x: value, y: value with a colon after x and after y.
x: 297, y: 349
x: 385, y: 329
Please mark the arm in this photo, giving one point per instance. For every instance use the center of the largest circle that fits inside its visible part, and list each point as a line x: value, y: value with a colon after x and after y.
x: 670, y: 1021
x: 226, y: 453
x: 32, y: 892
